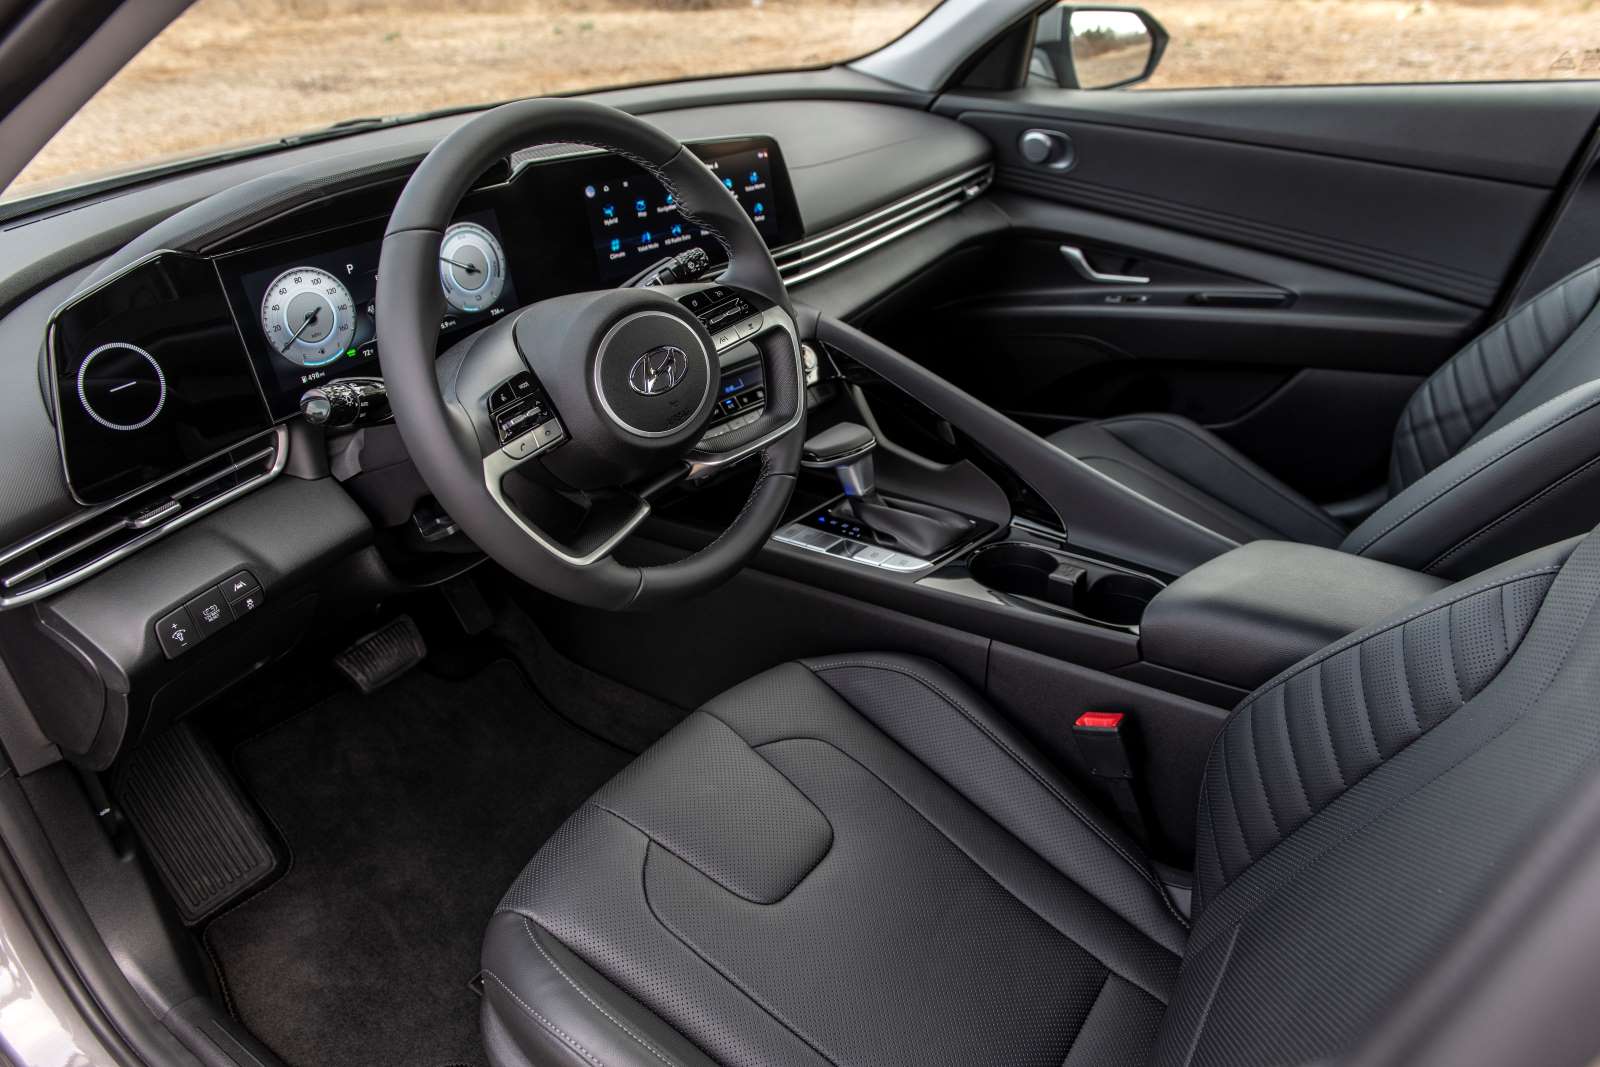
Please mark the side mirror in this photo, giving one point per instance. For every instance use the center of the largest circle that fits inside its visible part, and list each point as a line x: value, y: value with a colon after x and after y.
x: 1095, y: 47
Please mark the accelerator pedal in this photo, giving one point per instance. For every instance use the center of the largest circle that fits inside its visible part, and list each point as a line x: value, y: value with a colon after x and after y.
x: 204, y: 839
x: 383, y: 655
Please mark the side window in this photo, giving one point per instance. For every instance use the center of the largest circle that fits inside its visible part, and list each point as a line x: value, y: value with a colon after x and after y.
x: 1198, y: 44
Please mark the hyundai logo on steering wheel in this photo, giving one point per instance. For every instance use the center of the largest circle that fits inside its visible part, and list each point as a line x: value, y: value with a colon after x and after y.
x: 658, y: 370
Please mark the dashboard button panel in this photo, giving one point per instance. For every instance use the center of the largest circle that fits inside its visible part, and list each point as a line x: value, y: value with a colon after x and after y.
x: 208, y: 612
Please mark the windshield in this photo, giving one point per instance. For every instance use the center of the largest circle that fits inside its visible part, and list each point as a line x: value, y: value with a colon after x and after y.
x: 229, y: 73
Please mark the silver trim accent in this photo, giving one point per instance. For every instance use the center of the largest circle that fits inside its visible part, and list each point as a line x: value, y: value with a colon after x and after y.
x: 884, y: 559
x: 496, y: 465
x: 839, y: 461
x: 1080, y: 263
x: 153, y: 527
x: 703, y: 461
x: 851, y: 240
x: 605, y: 345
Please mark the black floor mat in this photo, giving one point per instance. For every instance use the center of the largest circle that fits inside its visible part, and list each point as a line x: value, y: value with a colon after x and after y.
x: 406, y: 814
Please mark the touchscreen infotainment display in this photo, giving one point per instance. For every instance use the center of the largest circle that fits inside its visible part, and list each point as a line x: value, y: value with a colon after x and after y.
x: 635, y: 222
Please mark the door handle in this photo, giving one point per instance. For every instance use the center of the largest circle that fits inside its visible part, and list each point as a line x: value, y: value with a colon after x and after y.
x: 1080, y: 263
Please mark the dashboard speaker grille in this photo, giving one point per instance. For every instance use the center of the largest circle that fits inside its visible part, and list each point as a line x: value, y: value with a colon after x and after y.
x: 835, y: 247
x: 95, y: 538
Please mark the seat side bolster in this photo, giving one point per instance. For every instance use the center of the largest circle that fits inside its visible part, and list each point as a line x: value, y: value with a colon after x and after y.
x: 1311, y: 733
x: 1205, y: 461
x: 544, y: 995
x: 1506, y: 493
x: 1519, y: 360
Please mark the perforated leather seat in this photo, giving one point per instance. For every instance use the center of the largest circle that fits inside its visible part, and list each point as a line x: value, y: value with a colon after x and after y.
x: 857, y: 861
x: 1496, y: 453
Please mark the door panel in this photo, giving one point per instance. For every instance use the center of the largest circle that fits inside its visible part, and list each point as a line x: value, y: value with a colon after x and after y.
x: 1310, y: 255
x: 1444, y: 234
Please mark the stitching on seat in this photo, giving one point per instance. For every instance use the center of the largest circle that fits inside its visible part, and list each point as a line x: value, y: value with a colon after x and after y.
x: 528, y: 929
x: 1508, y: 516
x: 715, y: 968
x: 566, y: 1038
x: 1313, y: 861
x: 991, y: 875
x: 1299, y: 505
x: 1362, y: 636
x: 1211, y: 997
x: 1016, y: 758
x: 1482, y: 466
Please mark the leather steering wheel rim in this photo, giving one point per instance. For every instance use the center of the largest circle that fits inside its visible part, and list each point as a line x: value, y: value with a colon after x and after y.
x: 442, y: 423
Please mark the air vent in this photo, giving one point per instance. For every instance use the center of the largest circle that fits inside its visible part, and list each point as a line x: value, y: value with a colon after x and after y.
x: 93, y: 540
x: 834, y: 248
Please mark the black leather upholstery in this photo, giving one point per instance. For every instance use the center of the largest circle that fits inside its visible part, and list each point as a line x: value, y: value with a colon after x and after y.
x: 850, y: 861
x: 1186, y: 468
x: 1497, y: 452
x: 855, y: 861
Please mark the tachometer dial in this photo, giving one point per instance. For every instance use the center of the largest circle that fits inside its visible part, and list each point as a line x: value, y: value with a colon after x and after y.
x: 472, y: 267
x: 308, y: 316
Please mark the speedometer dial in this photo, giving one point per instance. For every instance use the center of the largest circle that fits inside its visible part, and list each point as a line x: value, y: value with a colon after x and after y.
x: 308, y: 316
x: 472, y: 267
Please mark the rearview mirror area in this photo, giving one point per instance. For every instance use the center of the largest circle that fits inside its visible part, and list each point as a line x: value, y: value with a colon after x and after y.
x: 1077, y: 47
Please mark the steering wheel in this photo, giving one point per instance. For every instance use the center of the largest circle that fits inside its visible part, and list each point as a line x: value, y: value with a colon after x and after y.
x: 546, y: 434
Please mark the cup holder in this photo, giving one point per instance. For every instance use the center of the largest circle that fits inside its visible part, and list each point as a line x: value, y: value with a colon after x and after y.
x: 1080, y: 585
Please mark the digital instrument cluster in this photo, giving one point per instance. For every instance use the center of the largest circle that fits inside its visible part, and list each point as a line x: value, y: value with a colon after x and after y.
x: 314, y: 301
x: 183, y: 356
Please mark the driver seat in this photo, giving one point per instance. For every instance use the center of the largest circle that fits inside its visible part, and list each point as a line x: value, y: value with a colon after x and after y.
x: 856, y: 860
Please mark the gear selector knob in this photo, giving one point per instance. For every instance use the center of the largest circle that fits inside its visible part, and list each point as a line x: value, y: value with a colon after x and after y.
x: 846, y: 449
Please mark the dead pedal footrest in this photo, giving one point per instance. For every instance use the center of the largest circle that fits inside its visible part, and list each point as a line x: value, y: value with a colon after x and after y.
x: 203, y: 838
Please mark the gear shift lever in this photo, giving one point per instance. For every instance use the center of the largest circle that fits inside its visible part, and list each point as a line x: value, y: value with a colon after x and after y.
x: 921, y: 529
x: 846, y: 449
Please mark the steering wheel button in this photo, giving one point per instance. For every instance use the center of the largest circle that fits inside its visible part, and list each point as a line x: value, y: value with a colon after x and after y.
x: 501, y: 397
x: 522, y: 385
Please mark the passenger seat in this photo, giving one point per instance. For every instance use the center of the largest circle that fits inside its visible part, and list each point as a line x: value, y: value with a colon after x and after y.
x: 1498, y: 452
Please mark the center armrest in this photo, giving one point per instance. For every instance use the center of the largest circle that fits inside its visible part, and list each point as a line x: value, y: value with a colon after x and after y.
x: 1246, y: 615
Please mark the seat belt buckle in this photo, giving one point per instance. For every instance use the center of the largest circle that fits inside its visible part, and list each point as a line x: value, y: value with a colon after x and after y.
x: 1102, y: 745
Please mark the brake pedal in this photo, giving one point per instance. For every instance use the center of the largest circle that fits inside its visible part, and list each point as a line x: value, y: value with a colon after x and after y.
x: 383, y: 655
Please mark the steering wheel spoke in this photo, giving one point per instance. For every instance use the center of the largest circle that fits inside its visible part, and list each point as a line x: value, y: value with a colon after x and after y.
x: 784, y: 411
x: 592, y: 529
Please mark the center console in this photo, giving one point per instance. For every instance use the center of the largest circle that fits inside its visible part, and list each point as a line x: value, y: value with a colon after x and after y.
x: 1244, y: 616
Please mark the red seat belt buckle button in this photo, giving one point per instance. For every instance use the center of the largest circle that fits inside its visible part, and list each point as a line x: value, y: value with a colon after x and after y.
x: 1100, y: 742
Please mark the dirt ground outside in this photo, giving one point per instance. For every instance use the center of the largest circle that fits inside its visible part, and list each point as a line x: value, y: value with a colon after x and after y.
x: 236, y: 71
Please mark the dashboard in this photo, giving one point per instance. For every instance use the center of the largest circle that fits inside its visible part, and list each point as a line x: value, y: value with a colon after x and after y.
x: 181, y: 267
x: 179, y: 356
